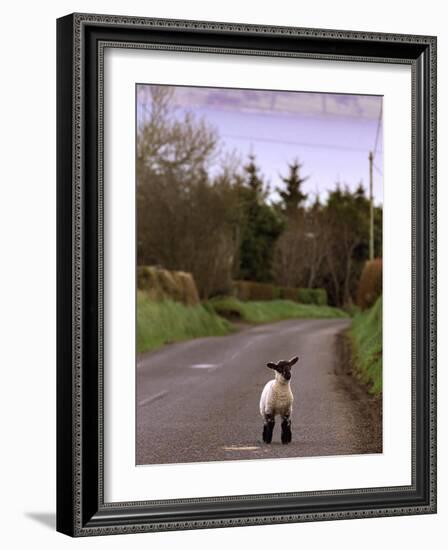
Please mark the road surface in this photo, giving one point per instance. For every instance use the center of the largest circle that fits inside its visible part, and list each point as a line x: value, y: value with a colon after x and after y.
x: 198, y: 400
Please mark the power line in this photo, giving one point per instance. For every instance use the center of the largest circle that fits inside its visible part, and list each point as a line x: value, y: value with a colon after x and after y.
x: 380, y: 116
x: 380, y: 172
x: 372, y: 165
x: 299, y: 143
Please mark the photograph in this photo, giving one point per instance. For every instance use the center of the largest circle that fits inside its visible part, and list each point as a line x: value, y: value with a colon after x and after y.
x: 246, y: 273
x: 259, y: 238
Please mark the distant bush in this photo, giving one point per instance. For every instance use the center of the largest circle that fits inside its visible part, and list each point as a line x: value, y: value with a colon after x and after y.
x: 321, y: 298
x: 317, y: 296
x: 187, y: 287
x: 241, y: 290
x: 228, y: 307
x: 272, y: 310
x: 305, y: 295
x: 250, y: 290
x: 289, y: 293
x: 370, y: 285
x: 161, y: 284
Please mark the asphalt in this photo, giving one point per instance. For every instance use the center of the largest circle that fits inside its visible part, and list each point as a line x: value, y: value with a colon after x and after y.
x: 198, y: 400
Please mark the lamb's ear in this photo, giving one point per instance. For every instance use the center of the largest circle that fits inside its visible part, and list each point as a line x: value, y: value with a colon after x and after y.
x: 293, y: 361
x: 271, y: 365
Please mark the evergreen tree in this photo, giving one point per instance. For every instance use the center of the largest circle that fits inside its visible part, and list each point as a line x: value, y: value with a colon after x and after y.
x: 293, y: 196
x: 261, y: 227
x: 253, y: 180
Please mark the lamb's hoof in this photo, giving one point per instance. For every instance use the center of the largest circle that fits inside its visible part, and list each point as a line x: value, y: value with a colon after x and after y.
x: 286, y: 433
x: 267, y: 432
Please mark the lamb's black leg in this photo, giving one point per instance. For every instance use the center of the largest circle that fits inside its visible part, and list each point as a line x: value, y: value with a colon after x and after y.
x: 286, y: 430
x: 268, y: 428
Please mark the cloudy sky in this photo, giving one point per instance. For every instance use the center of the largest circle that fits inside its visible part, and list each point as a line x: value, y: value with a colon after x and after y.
x: 330, y: 134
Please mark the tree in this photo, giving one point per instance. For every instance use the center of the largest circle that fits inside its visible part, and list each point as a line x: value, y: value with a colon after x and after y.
x: 316, y: 239
x: 293, y: 196
x: 186, y: 220
x: 301, y: 249
x: 253, y: 180
x: 293, y: 249
x: 261, y: 226
x: 326, y: 244
x: 167, y: 142
x: 220, y: 224
x: 347, y: 221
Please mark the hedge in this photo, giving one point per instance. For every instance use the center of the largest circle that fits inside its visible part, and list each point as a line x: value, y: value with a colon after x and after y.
x: 250, y: 290
x: 370, y: 285
x: 253, y: 291
x: 317, y: 296
x: 161, y: 284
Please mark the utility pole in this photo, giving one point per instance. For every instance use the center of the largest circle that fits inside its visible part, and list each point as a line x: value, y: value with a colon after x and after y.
x: 371, y: 250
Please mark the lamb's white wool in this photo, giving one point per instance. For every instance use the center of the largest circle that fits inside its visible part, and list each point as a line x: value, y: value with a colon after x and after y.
x: 276, y: 397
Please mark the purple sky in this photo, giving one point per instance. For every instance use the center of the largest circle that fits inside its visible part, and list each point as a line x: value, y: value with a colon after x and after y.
x: 330, y: 134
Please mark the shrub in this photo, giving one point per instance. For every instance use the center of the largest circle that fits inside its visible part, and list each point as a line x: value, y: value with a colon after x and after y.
x: 288, y: 293
x: 168, y: 286
x: 320, y: 296
x: 241, y: 290
x: 272, y: 310
x: 161, y: 284
x: 317, y: 296
x: 305, y: 296
x: 145, y: 277
x: 228, y: 307
x: 251, y: 290
x: 370, y: 285
x: 187, y: 287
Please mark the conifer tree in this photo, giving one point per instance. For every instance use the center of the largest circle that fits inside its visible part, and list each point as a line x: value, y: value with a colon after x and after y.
x: 261, y: 228
x: 293, y: 196
x: 253, y: 179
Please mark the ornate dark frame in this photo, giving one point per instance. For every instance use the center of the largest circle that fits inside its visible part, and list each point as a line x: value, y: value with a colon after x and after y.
x: 81, y: 39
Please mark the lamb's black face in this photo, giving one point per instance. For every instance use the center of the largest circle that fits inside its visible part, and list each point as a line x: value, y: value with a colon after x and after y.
x: 285, y: 371
x: 284, y: 367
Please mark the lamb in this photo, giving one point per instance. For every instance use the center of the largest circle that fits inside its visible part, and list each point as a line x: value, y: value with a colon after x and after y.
x: 276, y: 399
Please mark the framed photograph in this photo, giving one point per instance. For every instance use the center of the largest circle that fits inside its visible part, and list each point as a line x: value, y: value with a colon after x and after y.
x: 246, y: 274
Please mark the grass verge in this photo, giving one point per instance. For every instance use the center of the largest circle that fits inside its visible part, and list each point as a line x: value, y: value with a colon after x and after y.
x: 272, y: 310
x: 367, y: 344
x: 162, y: 322
x: 159, y: 323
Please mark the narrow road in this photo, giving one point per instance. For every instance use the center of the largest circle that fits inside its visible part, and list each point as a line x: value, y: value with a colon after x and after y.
x: 198, y: 400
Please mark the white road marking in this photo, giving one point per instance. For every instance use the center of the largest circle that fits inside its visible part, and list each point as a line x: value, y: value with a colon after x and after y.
x: 241, y: 448
x: 205, y: 366
x: 152, y: 398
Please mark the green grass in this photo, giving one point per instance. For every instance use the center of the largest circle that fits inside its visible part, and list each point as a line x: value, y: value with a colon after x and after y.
x: 159, y: 323
x: 367, y: 343
x: 272, y: 310
x: 162, y: 322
